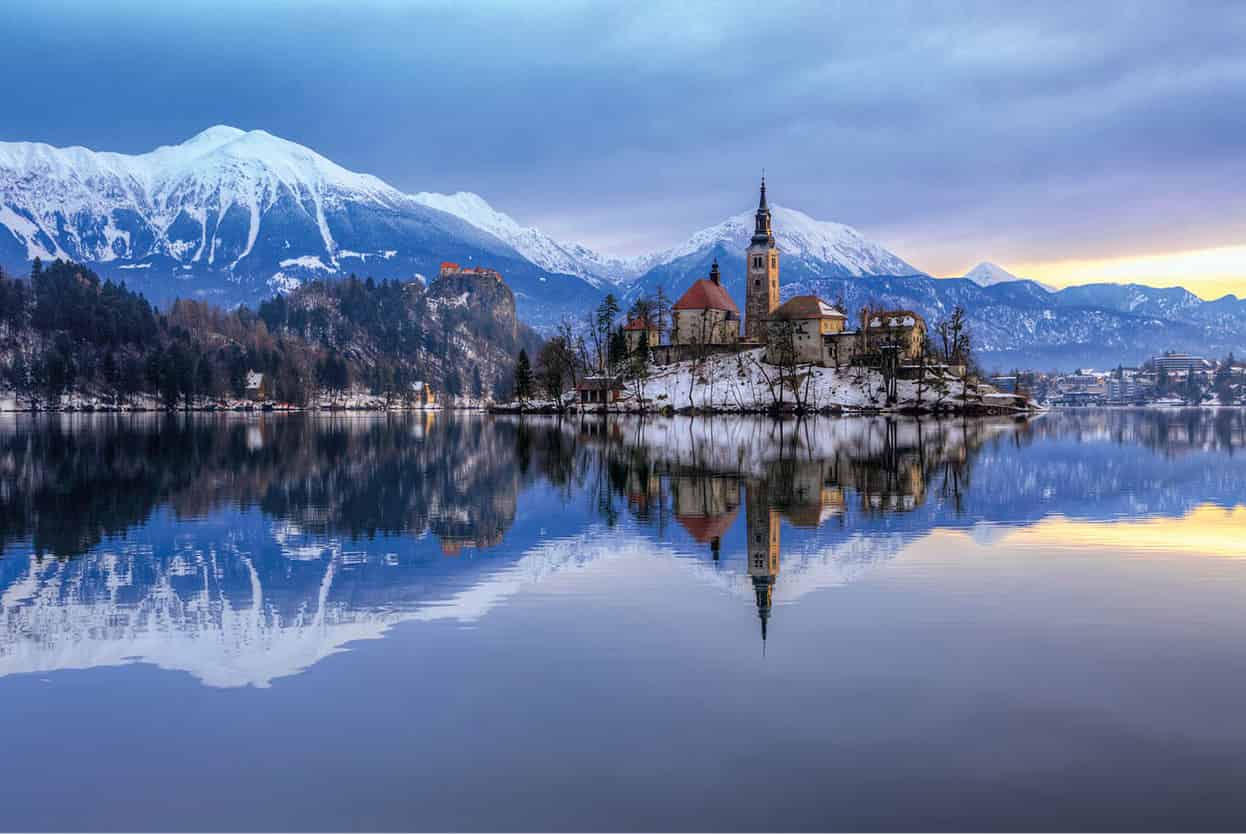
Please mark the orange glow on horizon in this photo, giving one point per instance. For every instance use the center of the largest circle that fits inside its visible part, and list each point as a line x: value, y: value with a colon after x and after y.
x: 1208, y: 273
x: 1207, y: 530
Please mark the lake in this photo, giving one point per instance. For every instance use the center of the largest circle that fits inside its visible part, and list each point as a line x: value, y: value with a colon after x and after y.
x: 448, y: 622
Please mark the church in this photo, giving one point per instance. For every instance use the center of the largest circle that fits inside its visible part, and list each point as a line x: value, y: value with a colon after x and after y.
x: 806, y: 329
x: 707, y: 316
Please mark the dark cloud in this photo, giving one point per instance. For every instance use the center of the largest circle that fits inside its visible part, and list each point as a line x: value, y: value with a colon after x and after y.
x: 1037, y: 132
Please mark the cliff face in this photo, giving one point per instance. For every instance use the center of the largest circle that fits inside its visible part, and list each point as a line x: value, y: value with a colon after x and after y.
x: 480, y: 334
x: 461, y: 333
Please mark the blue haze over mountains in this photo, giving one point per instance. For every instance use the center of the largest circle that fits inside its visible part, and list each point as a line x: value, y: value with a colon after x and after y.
x: 231, y: 217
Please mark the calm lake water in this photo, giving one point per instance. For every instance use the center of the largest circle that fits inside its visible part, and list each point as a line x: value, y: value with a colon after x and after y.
x: 452, y: 622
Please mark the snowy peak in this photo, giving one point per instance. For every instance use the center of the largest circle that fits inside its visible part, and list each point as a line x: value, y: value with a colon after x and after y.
x: 987, y: 274
x: 203, y: 201
x: 540, y: 249
x: 841, y: 248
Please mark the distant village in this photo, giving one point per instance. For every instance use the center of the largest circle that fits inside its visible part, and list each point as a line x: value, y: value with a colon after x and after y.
x: 1170, y: 379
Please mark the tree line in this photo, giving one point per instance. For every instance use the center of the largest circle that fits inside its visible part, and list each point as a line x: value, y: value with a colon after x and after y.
x: 64, y: 329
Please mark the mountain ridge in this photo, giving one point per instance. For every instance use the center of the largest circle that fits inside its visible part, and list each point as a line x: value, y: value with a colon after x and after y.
x: 234, y: 217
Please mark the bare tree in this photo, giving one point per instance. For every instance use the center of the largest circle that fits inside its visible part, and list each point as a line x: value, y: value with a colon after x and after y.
x: 639, y: 368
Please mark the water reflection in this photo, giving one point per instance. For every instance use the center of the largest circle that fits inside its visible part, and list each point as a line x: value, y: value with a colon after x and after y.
x: 246, y: 549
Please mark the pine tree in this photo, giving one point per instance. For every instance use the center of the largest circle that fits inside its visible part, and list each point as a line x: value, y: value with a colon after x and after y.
x: 205, y: 379
x: 523, y: 377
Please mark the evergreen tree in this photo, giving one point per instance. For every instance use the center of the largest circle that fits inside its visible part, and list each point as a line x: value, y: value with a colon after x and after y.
x: 618, y: 349
x: 205, y: 377
x: 523, y: 377
x: 169, y: 383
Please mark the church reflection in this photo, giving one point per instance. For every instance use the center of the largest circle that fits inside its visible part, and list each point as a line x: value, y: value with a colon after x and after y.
x: 800, y: 490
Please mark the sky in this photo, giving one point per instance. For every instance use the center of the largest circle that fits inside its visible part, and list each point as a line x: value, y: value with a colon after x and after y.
x: 1067, y: 142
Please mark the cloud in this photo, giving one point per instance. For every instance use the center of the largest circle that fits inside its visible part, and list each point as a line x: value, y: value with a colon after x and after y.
x: 1086, y: 130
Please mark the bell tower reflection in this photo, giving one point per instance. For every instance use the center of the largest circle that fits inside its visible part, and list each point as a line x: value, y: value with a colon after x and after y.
x: 762, y: 522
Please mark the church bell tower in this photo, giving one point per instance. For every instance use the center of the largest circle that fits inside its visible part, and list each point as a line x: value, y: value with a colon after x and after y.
x: 761, y: 292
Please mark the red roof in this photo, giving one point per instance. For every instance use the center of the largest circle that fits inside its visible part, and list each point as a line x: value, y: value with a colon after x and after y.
x: 705, y: 294
x: 640, y: 324
x: 706, y: 528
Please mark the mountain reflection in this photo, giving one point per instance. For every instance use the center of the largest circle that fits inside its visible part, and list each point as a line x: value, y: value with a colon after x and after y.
x: 242, y: 549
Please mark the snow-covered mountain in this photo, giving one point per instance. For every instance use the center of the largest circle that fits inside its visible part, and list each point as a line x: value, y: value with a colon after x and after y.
x: 987, y: 274
x: 838, y: 249
x: 541, y: 249
x: 811, y: 251
x: 235, y: 215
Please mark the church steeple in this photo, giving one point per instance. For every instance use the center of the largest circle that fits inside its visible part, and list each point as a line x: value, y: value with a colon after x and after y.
x: 761, y: 288
x: 763, y: 589
x: 762, y: 233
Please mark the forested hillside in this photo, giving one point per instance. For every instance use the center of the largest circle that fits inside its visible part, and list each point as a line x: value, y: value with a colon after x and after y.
x: 64, y: 331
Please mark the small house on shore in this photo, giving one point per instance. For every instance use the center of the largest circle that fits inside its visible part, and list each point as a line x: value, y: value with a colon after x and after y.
x: 599, y: 390
x: 255, y: 388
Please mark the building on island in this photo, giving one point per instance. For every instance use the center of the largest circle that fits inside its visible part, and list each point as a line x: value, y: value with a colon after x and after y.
x: 640, y: 333
x: 891, y: 328
x: 761, y: 289
x: 802, y: 330
x: 705, y: 315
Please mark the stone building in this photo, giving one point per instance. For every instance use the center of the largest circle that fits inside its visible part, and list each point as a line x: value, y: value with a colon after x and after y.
x: 801, y: 331
x: 450, y: 269
x: 903, y: 328
x: 705, y: 314
x: 761, y: 289
x: 641, y: 332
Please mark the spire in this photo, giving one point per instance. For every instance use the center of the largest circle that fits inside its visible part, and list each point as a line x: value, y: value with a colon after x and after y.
x: 714, y: 276
x: 762, y: 232
x: 763, y: 588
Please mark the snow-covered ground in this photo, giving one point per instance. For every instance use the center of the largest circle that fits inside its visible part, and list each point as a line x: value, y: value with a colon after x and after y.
x: 743, y: 382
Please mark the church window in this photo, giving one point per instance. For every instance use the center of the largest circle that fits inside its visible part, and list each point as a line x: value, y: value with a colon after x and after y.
x: 774, y: 260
